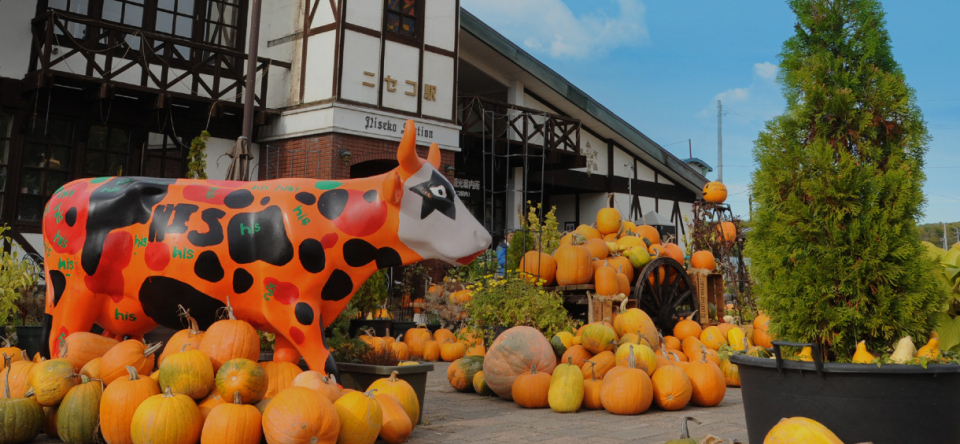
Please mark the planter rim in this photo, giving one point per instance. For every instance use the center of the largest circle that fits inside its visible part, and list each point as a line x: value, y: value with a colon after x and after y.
x: 833, y: 367
x: 385, y: 370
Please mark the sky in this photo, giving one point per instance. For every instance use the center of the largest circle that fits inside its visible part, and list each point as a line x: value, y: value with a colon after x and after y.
x: 662, y: 65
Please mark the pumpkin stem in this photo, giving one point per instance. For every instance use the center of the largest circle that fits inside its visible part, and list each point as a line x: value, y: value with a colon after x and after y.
x: 152, y: 348
x: 533, y: 368
x: 229, y: 309
x: 393, y: 376
x: 593, y: 368
x: 236, y: 397
x: 631, y: 360
x: 6, y: 385
x: 570, y: 360
x: 29, y: 392
x: 83, y: 378
x: 703, y: 355
x: 400, y: 338
x: 684, y: 432
x: 132, y: 371
x: 369, y: 393
x: 167, y: 393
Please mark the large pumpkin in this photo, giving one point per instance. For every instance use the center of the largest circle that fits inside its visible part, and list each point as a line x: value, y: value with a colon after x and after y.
x: 189, y: 373
x: 531, y: 390
x: 608, y: 220
x: 715, y: 192
x: 81, y: 347
x: 79, y: 414
x: 15, y: 377
x: 514, y: 352
x: 192, y: 336
x: 626, y: 390
x: 605, y: 281
x: 709, y: 386
x: 431, y: 351
x: 598, y: 249
x: 671, y: 388
x: 588, y: 232
x: 298, y: 415
x: 687, y: 328
x: 230, y: 338
x: 416, y: 339
x: 566, y: 388
x: 635, y: 320
x: 713, y: 338
x: 727, y: 231
x: 242, y: 376
x: 51, y: 380
x: 120, y: 400
x: 166, y: 419
x: 460, y: 373
x: 537, y: 265
x: 360, y: 418
x: 22, y: 418
x: 451, y: 350
x: 325, y: 384
x: 573, y: 265
x: 703, y: 259
x: 279, y: 376
x: 114, y: 363
x: 402, y: 391
x: 649, y: 233
x: 232, y: 423
x: 395, y: 426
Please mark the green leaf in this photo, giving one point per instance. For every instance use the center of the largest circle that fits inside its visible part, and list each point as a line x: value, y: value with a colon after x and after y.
x: 949, y: 330
x: 952, y: 258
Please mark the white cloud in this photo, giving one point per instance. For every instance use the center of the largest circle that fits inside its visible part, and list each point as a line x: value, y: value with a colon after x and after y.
x: 766, y: 70
x: 550, y: 26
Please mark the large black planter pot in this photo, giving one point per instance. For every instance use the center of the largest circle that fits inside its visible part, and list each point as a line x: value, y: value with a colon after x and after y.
x: 890, y: 404
x: 28, y: 338
x: 400, y: 327
x: 380, y: 326
x: 360, y: 376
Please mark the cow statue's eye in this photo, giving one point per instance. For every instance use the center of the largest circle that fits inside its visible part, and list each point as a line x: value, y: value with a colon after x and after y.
x: 437, y: 196
x: 439, y: 191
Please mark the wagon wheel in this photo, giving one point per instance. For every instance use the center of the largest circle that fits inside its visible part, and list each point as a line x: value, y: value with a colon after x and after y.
x: 664, y: 291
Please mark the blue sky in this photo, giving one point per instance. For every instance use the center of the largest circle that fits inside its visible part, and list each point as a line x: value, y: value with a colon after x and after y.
x: 661, y: 65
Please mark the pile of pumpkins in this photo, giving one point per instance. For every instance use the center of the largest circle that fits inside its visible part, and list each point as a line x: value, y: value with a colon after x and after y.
x: 421, y: 344
x: 207, y: 387
x: 623, y: 367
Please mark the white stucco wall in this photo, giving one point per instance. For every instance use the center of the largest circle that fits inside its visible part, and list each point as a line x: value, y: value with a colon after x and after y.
x: 16, y: 37
x: 217, y: 166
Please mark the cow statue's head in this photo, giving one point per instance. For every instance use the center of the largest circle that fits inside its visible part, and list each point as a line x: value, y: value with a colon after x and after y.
x: 434, y: 223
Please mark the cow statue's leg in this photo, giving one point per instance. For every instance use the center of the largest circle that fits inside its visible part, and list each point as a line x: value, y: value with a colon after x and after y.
x: 299, y: 325
x: 73, y: 313
x: 284, y: 350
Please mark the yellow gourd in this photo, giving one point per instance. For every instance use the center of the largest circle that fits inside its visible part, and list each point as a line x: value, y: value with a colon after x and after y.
x: 904, y: 351
x: 862, y: 356
x: 800, y: 430
x: 806, y: 354
x: 736, y: 338
x: 931, y: 350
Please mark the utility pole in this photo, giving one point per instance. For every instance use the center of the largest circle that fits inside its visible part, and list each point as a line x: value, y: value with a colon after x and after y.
x: 719, y: 141
x: 690, y: 147
x: 957, y: 232
x: 252, y: 47
x: 944, y: 235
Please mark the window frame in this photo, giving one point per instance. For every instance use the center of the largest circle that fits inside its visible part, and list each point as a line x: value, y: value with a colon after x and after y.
x: 419, y: 9
x: 34, y: 136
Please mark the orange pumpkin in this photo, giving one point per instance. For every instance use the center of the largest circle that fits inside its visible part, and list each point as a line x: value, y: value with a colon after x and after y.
x: 395, y: 427
x: 15, y: 353
x: 300, y: 415
x: 230, y: 338
x: 623, y: 282
x: 648, y: 232
x: 431, y: 351
x: 591, y: 390
x: 671, y: 342
x: 416, y: 339
x: 451, y: 350
x: 761, y: 327
x: 360, y: 418
x: 588, y: 232
x: 713, y: 338
x: 703, y: 259
x: 207, y: 404
x: 530, y: 390
x: 715, y: 192
x: 687, y: 328
x: 91, y: 369
x: 242, y: 376
x: 626, y: 390
x: 325, y: 384
x: 608, y: 220
x: 674, y: 252
x: 727, y: 231
x: 635, y: 320
x: 279, y: 376
x: 623, y: 265
x: 400, y: 350
x: 402, y: 391
x: 537, y: 265
x: 114, y: 363
x: 192, y: 335
x: 709, y: 385
x: 671, y: 388
x: 119, y: 401
x: 514, y: 352
x: 166, y: 418
x: 82, y: 347
x: 599, y: 365
x: 579, y: 355
x: 234, y: 423
x: 605, y: 281
x: 598, y: 249
x: 573, y: 265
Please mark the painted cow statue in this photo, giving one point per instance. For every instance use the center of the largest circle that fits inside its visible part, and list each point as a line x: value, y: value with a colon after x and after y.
x: 126, y: 252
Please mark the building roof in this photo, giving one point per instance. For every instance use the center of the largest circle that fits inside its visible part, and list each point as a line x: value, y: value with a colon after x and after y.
x: 698, y: 162
x: 471, y: 24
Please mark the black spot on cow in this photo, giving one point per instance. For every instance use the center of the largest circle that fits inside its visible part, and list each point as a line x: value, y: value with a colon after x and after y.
x: 358, y: 252
x: 304, y: 313
x: 161, y: 296
x: 306, y: 198
x: 118, y: 203
x: 370, y: 196
x: 312, y: 257
x: 207, y: 267
x: 59, y: 282
x: 161, y: 224
x: 242, y: 281
x: 71, y: 217
x: 260, y: 236
x: 265, y: 200
x: 388, y: 257
x: 338, y: 286
x: 238, y: 199
x: 332, y: 203
x: 214, y: 234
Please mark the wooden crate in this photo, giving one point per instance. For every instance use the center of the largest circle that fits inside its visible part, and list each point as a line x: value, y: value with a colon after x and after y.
x: 709, y: 288
x: 600, y: 310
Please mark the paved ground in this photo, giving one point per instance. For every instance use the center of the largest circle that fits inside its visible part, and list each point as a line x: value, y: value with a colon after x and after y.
x: 451, y: 416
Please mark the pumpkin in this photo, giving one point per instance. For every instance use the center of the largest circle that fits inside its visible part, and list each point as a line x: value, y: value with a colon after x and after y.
x: 189, y: 373
x: 261, y: 406
x: 22, y: 417
x: 442, y: 335
x: 715, y: 192
x: 120, y: 400
x: 536, y: 266
x: 731, y: 373
x: 599, y: 365
x: 395, y: 426
x: 240, y: 375
x: 713, y: 338
x: 212, y: 400
x: 704, y: 260
x: 591, y: 390
x: 685, y: 433
x: 598, y: 337
x: 166, y: 419
x: 623, y: 265
x: 15, y: 353
x: 460, y: 373
x: 91, y: 369
x: 566, y: 388
x: 671, y: 388
x: 573, y: 265
x: 460, y: 297
x: 49, y: 422
x: 451, y: 351
x: 416, y: 339
x: 635, y: 320
x: 279, y: 376
x: 480, y: 385
x: 514, y: 352
x: 360, y: 418
x: 325, y: 384
x: 402, y: 391
x: 50, y: 381
x: 400, y: 350
x: 709, y: 386
x: 431, y: 351
x: 588, y: 232
x: 800, y: 429
x: 597, y: 248
x: 627, y: 242
x: 646, y: 360
x: 114, y: 363
x: 15, y: 376
x: 686, y: 328
x: 578, y: 353
x: 674, y: 252
x: 608, y: 220
x: 476, y: 350
x: 531, y: 390
x: 648, y: 232
x: 623, y: 282
x: 727, y: 231
x: 192, y: 336
x: 82, y: 347
x: 561, y: 342
x: 761, y: 327
x: 626, y: 390
x: 232, y: 423
x: 230, y: 338
x: 79, y: 414
x: 298, y: 415
x: 605, y: 281
x: 671, y: 342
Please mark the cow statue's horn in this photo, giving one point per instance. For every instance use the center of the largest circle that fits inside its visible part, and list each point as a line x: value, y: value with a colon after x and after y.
x: 410, y: 163
x: 433, y: 156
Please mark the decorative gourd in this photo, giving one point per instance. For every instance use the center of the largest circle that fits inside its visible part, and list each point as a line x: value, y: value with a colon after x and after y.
x: 731, y: 373
x: 535, y: 265
x: 192, y: 336
x: 212, y: 400
x: 51, y: 380
x: 461, y: 372
x: 578, y: 353
x: 904, y: 351
x: 573, y: 265
x: 395, y: 427
x: 709, y: 386
x: 591, y: 389
x: 91, y: 369
x: 431, y: 351
x: 325, y: 384
x: 279, y: 376
x: 627, y: 390
x: 114, y: 363
x: 15, y: 376
x: 512, y: 353
x: 120, y: 400
x: 360, y: 418
x: 686, y: 328
x: 806, y: 355
x: 602, y: 363
x: 298, y: 415
x: 416, y: 339
x: 703, y: 259
x: 671, y: 388
x: 400, y: 350
x: 598, y: 337
x: 684, y: 432
x: 737, y: 339
x: 561, y: 342
x: 82, y: 347
x: 79, y: 414
x: 566, y: 388
x: 402, y: 391
x: 480, y: 385
x: 862, y: 356
x: 241, y: 375
x: 799, y: 429
x: 531, y: 390
x: 166, y: 419
x: 931, y: 350
x: 713, y: 338
x: 230, y: 338
x: 451, y: 351
x: 189, y: 373
x: 605, y: 281
x: 22, y: 417
x: 715, y: 192
x: 232, y: 423
x: 646, y: 360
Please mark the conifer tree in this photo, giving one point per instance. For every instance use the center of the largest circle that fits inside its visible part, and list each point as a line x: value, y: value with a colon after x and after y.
x: 835, y: 249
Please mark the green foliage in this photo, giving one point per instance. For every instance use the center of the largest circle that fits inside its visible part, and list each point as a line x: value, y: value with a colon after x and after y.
x: 835, y: 248
x: 523, y: 241
x: 547, y: 231
x: 16, y: 277
x: 510, y: 301
x: 483, y: 265
x: 197, y: 157
x: 372, y: 294
x: 338, y: 340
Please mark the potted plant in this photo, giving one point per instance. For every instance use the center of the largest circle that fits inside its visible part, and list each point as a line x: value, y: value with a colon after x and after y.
x: 21, y: 296
x: 511, y: 300
x: 834, y: 244
x: 369, y: 300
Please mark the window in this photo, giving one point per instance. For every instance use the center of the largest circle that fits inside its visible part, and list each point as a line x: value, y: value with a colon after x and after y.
x: 402, y: 17
x: 45, y: 166
x: 128, y: 12
x: 222, y: 22
x: 6, y: 131
x: 107, y: 152
x: 77, y: 30
x: 163, y: 157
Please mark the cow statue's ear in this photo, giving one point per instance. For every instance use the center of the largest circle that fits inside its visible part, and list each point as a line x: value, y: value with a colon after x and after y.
x: 392, y: 188
x: 433, y: 156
